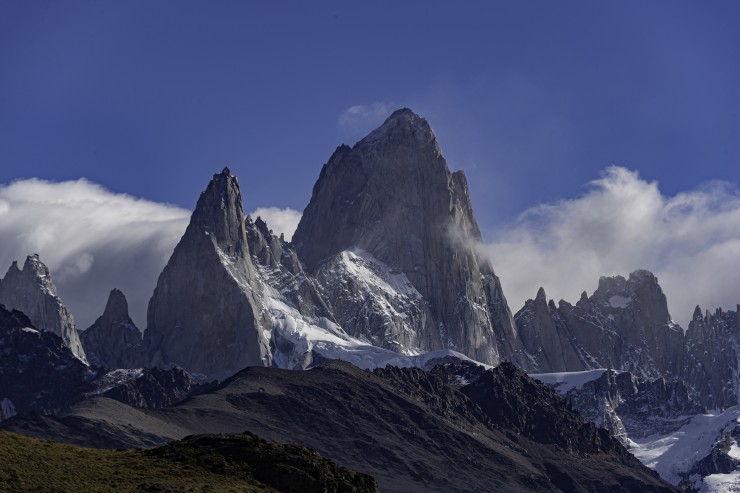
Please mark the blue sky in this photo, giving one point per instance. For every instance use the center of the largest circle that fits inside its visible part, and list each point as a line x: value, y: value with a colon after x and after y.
x: 532, y: 99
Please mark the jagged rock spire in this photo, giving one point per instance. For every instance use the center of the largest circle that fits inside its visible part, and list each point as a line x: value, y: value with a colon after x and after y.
x: 206, y: 314
x: 32, y: 291
x: 113, y: 341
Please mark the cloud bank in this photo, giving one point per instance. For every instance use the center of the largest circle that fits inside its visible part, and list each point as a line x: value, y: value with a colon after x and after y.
x: 92, y: 240
x: 691, y: 241
x: 280, y: 221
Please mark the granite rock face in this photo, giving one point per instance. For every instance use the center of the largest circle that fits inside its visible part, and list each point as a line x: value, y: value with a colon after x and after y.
x: 32, y: 291
x: 206, y: 314
x: 547, y: 338
x: 634, y: 407
x: 624, y: 325
x: 279, y: 267
x: 392, y: 197
x: 113, y: 341
x: 712, y: 357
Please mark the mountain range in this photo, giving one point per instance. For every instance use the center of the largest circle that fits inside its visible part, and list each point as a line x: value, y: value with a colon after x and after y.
x: 385, y: 273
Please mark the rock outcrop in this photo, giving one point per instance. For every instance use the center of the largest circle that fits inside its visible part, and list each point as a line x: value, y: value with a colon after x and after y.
x: 624, y: 325
x: 392, y: 199
x: 547, y: 338
x: 632, y: 407
x: 712, y: 357
x: 38, y: 371
x: 280, y: 268
x: 113, y: 341
x: 206, y: 314
x: 32, y: 291
x: 147, y: 387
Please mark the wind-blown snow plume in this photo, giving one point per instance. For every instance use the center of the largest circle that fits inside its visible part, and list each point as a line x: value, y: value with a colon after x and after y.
x: 91, y: 239
x: 691, y: 241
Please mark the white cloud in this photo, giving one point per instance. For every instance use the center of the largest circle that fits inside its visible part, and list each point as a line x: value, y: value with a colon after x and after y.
x: 691, y: 241
x: 280, y: 221
x: 91, y: 239
x: 356, y: 121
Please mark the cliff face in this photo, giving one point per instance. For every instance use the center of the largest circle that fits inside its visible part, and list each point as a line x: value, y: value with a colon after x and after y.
x: 113, y: 341
x: 206, y: 314
x: 392, y: 201
x: 547, y: 338
x: 712, y: 357
x: 624, y: 325
x: 32, y: 291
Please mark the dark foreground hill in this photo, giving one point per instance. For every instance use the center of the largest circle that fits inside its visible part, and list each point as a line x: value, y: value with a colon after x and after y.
x: 213, y: 463
x: 407, y: 428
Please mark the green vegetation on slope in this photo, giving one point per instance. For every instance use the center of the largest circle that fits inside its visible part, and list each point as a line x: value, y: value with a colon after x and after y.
x: 205, y: 463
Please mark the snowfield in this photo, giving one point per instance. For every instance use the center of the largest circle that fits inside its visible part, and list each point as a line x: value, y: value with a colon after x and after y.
x: 675, y: 453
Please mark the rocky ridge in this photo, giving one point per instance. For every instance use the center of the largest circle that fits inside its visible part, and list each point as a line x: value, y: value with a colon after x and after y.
x: 40, y: 374
x: 32, y: 291
x: 625, y: 325
x: 409, y: 429
x: 632, y: 407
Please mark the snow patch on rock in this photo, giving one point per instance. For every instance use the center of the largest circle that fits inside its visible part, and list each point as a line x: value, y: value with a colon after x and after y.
x: 565, y: 381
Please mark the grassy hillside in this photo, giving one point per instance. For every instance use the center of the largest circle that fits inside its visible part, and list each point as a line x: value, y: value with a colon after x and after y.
x: 207, y: 463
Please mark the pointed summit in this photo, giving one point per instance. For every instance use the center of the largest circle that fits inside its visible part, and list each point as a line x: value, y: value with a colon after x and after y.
x: 117, y: 305
x: 32, y: 291
x: 219, y: 213
x: 393, y: 196
x: 113, y: 341
x: 206, y: 314
x: 545, y: 337
x: 541, y: 296
x: 403, y: 122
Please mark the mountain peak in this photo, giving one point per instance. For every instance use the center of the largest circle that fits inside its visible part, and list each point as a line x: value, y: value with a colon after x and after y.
x: 219, y: 213
x: 393, y: 197
x: 642, y: 276
x: 117, y: 305
x: 541, y: 296
x: 404, y: 113
x: 32, y: 291
x: 403, y: 127
x: 208, y: 296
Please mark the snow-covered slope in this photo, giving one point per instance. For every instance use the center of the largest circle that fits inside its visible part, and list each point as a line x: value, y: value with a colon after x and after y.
x: 682, y: 454
x: 374, y: 302
x: 298, y: 341
x: 660, y: 424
